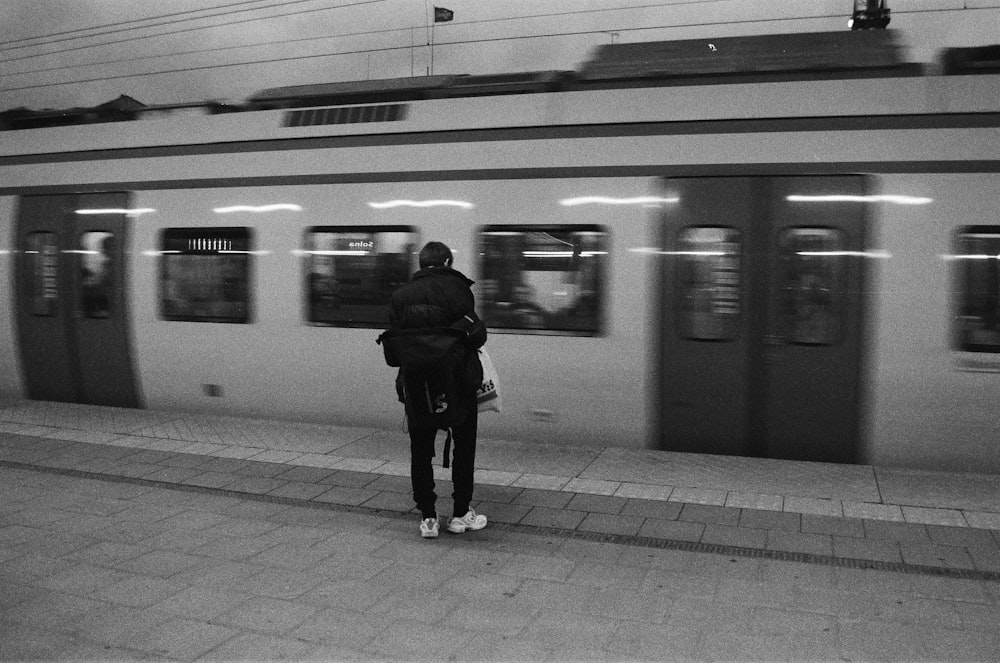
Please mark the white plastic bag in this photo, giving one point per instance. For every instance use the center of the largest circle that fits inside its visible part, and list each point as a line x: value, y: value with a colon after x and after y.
x: 488, y: 394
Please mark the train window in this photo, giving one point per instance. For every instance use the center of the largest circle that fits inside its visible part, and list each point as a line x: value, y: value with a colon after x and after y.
x: 205, y: 275
x: 43, y: 252
x: 351, y: 272
x: 978, y: 307
x: 709, y: 278
x: 811, y: 275
x: 96, y: 252
x: 543, y: 278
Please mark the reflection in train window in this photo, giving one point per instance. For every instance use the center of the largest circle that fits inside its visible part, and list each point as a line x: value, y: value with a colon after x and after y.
x: 811, y: 275
x: 96, y: 252
x: 543, y: 278
x: 43, y: 254
x: 204, y: 275
x: 352, y: 271
x: 977, y: 255
x: 709, y: 278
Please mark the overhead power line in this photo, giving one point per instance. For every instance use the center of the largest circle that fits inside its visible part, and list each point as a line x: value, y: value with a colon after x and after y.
x: 192, y: 29
x: 466, y: 42
x: 294, y: 58
x: 136, y: 20
x: 289, y: 2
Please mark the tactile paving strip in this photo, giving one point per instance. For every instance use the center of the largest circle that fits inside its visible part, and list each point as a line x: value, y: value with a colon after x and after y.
x: 619, y: 539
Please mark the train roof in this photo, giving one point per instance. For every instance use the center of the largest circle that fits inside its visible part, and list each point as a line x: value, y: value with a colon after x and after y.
x: 814, y: 56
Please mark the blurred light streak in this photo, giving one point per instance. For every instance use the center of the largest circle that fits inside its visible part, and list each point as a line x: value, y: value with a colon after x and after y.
x: 649, y: 201
x: 279, y: 207
x: 844, y: 198
x: 117, y: 210
x: 389, y: 204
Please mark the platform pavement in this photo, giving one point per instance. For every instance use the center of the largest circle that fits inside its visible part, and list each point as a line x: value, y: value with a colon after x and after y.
x: 131, y: 535
x: 907, y: 518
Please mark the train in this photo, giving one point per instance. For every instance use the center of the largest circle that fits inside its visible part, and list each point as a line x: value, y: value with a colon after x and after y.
x: 783, y: 247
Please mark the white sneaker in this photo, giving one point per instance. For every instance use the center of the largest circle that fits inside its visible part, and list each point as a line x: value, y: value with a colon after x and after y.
x: 470, y: 521
x: 429, y: 528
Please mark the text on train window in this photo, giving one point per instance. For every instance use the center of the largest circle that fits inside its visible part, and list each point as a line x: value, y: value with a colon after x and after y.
x: 543, y: 278
x: 43, y: 253
x: 811, y: 264
x: 709, y: 283
x: 352, y: 271
x: 96, y: 253
x: 205, y: 274
x: 977, y: 322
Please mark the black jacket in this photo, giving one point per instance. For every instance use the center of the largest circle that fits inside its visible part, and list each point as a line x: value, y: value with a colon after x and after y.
x: 435, y: 297
x: 440, y: 297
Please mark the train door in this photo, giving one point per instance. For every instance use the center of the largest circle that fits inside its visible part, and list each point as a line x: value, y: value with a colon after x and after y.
x: 72, y: 301
x: 762, y: 317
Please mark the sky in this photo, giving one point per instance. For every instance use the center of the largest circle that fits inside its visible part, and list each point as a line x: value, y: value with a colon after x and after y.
x: 65, y: 53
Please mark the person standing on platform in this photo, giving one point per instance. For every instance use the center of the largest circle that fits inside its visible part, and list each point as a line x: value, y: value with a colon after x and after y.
x: 440, y: 296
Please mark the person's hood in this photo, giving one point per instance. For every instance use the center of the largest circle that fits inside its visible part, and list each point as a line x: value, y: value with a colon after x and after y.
x: 442, y: 271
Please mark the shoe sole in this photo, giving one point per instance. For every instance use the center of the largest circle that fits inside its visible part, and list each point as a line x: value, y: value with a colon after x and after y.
x: 465, y: 529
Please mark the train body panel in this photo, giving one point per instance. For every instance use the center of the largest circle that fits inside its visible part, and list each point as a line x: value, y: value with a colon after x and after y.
x: 933, y: 405
x: 517, y: 184
x: 10, y: 373
x: 282, y: 366
x: 864, y: 98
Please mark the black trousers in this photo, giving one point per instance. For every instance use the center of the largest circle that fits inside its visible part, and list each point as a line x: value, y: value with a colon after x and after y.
x: 463, y: 465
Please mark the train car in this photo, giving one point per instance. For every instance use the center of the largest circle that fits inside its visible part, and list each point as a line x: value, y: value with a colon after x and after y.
x: 784, y: 261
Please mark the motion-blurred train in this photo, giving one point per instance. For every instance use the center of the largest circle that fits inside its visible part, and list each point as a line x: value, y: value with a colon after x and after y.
x: 783, y: 246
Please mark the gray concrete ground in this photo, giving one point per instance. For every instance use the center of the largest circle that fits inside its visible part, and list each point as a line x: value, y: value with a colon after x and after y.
x: 128, y: 535
x: 102, y: 570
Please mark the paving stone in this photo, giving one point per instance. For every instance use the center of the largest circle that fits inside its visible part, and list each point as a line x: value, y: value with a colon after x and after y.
x: 552, y: 499
x: 715, y: 515
x: 503, y: 513
x: 138, y: 591
x: 985, y: 559
x: 895, y: 531
x: 743, y: 537
x: 813, y: 524
x: 652, y: 509
x: 202, y: 602
x: 960, y: 536
x: 394, y: 484
x: 672, y: 529
x: 224, y: 465
x: 611, y: 524
x: 870, y: 549
x: 815, y: 544
x: 305, y: 474
x: 493, y: 493
x: 212, y: 479
x: 541, y: 516
x: 597, y: 503
x: 813, y: 506
x: 299, y: 490
x: 182, y: 639
x: 770, y: 520
x: 185, y: 460
x: 349, y: 479
x: 933, y: 516
x: 257, y: 485
x: 929, y: 554
x: 267, y: 615
x: 345, y: 495
x: 401, y: 502
x: 161, y: 563
x: 253, y: 468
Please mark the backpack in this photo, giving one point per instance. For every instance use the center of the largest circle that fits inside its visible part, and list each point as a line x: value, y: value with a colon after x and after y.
x: 435, y: 381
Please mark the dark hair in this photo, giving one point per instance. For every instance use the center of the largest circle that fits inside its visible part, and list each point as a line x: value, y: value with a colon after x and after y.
x: 434, y: 254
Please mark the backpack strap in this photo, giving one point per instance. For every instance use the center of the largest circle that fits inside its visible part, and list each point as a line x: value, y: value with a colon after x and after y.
x: 447, y: 450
